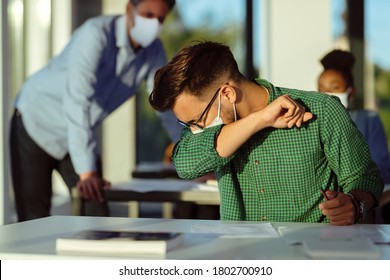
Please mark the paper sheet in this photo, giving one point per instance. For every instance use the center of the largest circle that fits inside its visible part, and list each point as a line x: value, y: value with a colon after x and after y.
x: 237, y: 229
x: 297, y: 236
x: 361, y: 248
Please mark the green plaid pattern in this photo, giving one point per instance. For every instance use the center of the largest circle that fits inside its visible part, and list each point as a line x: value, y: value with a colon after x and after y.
x: 277, y: 174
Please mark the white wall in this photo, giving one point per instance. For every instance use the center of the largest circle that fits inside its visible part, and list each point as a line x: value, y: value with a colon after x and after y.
x: 295, y: 35
x: 61, y: 25
x: 37, y: 34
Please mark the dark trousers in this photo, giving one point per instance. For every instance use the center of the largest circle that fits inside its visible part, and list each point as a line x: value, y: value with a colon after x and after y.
x: 32, y: 170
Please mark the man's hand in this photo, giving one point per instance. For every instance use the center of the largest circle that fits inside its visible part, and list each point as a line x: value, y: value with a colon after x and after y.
x: 285, y: 112
x: 339, y: 209
x: 91, y: 186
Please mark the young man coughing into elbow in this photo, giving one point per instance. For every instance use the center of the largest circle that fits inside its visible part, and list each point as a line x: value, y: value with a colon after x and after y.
x: 272, y: 149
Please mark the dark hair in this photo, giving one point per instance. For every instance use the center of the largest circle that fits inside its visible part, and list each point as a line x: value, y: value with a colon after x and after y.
x: 341, y: 61
x: 193, y: 69
x: 170, y: 3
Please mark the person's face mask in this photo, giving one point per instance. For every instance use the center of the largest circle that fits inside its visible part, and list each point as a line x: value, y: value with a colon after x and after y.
x: 145, y: 30
x: 218, y: 120
x: 344, y: 96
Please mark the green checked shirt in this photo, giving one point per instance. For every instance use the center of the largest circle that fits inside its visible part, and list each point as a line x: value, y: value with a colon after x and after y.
x: 277, y: 174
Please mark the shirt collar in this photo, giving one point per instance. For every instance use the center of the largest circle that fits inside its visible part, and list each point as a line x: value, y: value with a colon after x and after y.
x: 270, y: 87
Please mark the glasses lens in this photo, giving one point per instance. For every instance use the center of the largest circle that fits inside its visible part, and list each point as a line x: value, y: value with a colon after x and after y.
x: 192, y: 126
x: 183, y: 123
x: 196, y: 127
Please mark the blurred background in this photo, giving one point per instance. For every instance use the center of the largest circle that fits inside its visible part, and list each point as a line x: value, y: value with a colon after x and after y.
x: 279, y: 40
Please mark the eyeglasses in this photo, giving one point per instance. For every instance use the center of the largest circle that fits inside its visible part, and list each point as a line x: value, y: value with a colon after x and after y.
x: 196, y: 124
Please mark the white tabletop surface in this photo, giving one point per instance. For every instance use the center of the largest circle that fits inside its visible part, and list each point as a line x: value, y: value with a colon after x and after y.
x: 36, y: 239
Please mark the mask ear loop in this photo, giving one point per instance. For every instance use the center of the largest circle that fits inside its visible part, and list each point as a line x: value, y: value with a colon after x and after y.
x: 219, y: 104
x: 235, y: 112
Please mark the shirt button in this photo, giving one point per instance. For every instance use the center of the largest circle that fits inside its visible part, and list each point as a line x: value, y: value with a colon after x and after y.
x: 263, y: 218
x: 257, y: 162
x: 262, y: 190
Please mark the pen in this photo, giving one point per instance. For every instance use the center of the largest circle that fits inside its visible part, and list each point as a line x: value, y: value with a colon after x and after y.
x: 324, y: 194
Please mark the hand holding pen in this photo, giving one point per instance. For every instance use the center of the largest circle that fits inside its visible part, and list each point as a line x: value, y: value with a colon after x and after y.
x: 337, y: 207
x: 330, y: 195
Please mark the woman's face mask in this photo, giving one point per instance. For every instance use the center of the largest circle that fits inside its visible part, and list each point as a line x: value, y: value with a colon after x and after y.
x: 145, y: 30
x: 344, y: 96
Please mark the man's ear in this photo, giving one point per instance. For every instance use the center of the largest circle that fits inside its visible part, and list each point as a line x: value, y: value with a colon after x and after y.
x: 129, y: 15
x: 228, y: 92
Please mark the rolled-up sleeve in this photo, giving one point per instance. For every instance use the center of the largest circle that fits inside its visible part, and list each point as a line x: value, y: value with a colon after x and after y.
x: 195, y: 155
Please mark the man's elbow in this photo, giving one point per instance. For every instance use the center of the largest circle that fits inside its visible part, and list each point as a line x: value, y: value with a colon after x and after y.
x: 186, y: 174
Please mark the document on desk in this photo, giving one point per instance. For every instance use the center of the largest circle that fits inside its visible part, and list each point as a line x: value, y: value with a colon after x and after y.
x: 361, y: 248
x: 161, y: 185
x: 296, y: 235
x: 236, y: 230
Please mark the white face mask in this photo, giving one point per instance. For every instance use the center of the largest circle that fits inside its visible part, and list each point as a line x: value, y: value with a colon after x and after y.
x: 218, y: 120
x: 145, y: 30
x: 342, y: 96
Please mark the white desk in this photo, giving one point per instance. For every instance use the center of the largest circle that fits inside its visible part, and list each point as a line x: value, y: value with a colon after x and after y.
x: 36, y: 239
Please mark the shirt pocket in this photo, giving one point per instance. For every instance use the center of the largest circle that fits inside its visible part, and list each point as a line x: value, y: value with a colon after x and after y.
x: 297, y: 176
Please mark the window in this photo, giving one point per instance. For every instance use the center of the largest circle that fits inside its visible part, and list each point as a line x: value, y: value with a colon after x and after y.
x: 377, y: 23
